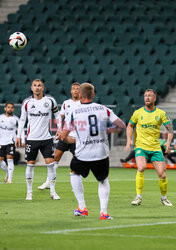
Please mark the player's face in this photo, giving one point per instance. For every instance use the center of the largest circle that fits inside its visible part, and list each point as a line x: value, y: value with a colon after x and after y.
x: 149, y: 98
x: 75, y: 92
x: 37, y: 88
x: 9, y: 109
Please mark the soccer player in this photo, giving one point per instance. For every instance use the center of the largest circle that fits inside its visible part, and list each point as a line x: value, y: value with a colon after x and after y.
x: 90, y: 120
x: 8, y: 127
x: 63, y: 146
x: 148, y: 120
x: 38, y: 109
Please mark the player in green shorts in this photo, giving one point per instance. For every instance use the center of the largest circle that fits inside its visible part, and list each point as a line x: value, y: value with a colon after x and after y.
x: 148, y: 121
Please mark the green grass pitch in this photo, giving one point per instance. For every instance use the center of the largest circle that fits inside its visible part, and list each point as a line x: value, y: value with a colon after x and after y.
x: 30, y: 224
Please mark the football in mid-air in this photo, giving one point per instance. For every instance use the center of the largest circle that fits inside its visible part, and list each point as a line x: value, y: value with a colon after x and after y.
x: 17, y: 41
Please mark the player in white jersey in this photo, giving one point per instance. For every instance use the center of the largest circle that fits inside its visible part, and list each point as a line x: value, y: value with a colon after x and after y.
x: 38, y: 109
x: 92, y: 147
x: 8, y: 127
x: 62, y: 146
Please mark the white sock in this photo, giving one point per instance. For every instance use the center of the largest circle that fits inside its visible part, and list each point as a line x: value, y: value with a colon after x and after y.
x: 51, y: 177
x: 163, y: 197
x: 10, y: 169
x: 29, y: 177
x: 103, y: 193
x: 3, y: 166
x: 77, y: 186
x: 56, y: 165
x: 139, y: 196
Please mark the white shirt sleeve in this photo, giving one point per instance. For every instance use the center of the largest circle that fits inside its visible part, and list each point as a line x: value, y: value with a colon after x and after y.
x: 69, y: 122
x: 62, y: 111
x: 22, y: 122
x: 112, y: 117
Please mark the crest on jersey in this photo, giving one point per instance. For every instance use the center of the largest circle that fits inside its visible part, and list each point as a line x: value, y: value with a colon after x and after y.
x: 157, y: 118
x: 46, y: 105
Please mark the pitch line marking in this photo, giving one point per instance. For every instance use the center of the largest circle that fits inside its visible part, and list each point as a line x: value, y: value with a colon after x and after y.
x: 65, y: 231
x: 131, y: 236
x: 86, y: 181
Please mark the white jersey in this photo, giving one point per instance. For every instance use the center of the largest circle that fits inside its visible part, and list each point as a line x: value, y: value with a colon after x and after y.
x: 39, y: 113
x: 66, y: 108
x: 90, y: 122
x: 8, y: 128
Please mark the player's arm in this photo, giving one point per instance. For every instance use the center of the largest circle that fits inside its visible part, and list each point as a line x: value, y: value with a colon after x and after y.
x: 129, y: 132
x: 64, y: 136
x: 21, y: 125
x: 118, y: 125
x: 22, y: 134
x: 169, y: 137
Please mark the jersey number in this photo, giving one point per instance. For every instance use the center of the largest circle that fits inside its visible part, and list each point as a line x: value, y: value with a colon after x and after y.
x: 93, y: 125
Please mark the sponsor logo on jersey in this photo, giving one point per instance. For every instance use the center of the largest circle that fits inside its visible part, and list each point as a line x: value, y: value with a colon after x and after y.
x: 33, y: 107
x: 6, y: 128
x: 94, y: 141
x: 138, y: 151
x: 46, y: 105
x: 148, y: 126
x: 39, y: 114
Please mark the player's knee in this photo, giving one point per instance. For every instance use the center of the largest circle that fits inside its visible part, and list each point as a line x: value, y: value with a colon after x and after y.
x: 162, y: 175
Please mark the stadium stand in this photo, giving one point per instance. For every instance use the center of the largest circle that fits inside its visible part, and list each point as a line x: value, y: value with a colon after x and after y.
x: 122, y: 47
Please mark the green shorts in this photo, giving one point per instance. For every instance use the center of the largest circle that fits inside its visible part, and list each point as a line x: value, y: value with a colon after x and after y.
x: 150, y: 155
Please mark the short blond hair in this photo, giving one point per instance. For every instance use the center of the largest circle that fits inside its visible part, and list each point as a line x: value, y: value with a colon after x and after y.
x: 154, y: 92
x: 87, y: 90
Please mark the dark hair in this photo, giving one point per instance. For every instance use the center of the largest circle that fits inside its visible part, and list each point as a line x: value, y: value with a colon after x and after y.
x: 9, y: 103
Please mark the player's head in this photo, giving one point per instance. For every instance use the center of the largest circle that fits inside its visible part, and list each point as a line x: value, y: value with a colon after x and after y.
x: 75, y: 90
x: 149, y: 97
x: 9, y: 108
x: 86, y: 91
x: 37, y: 87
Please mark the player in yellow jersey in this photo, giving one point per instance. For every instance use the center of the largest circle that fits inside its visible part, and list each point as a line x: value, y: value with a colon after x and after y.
x: 148, y: 121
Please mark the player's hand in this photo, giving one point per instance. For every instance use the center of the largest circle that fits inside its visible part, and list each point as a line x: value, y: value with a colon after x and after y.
x: 58, y: 135
x: 168, y: 148
x: 128, y: 145
x: 18, y: 142
x: 23, y: 145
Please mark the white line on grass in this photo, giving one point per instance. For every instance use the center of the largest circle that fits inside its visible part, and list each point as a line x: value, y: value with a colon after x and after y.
x: 130, y: 236
x: 65, y: 181
x: 104, y: 228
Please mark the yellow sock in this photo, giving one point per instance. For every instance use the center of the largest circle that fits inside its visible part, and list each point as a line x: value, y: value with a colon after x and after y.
x: 163, y: 184
x: 139, y: 182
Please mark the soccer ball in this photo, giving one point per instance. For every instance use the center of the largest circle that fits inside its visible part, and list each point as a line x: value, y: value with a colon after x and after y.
x: 17, y: 41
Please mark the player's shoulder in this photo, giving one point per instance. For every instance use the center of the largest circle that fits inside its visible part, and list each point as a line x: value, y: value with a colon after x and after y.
x: 161, y: 111
x: 26, y: 100
x: 15, y: 117
x: 139, y: 110
x: 49, y: 97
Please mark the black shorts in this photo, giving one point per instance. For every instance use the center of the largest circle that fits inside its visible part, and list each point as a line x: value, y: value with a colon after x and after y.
x: 7, y: 150
x: 100, y: 169
x: 46, y: 148
x: 62, y: 146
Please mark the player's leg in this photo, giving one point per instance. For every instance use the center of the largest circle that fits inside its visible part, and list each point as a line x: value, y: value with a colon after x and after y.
x: 78, y: 169
x: 31, y: 152
x: 100, y: 169
x: 47, y: 150
x: 10, y: 150
x: 3, y: 165
x: 52, y: 178
x: 141, y: 162
x: 160, y: 166
x: 60, y: 149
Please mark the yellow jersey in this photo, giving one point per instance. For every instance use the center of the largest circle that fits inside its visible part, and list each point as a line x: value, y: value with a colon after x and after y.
x: 148, y: 124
